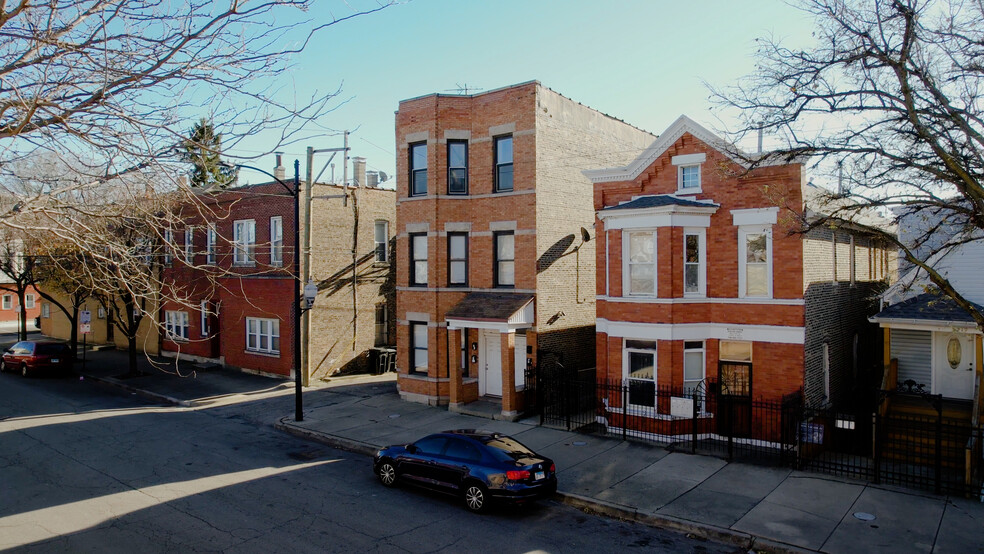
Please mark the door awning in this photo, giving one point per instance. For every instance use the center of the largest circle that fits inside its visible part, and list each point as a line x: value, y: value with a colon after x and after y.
x: 504, y: 311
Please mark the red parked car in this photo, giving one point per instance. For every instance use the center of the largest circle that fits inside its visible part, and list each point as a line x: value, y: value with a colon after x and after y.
x: 31, y: 357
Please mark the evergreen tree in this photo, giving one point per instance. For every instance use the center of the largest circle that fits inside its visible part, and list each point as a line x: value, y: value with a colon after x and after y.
x: 202, y: 149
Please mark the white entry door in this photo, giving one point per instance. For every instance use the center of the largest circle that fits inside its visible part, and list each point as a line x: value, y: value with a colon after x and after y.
x: 491, y: 364
x: 953, y: 365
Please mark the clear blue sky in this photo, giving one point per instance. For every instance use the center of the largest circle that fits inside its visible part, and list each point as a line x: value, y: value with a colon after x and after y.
x: 642, y: 61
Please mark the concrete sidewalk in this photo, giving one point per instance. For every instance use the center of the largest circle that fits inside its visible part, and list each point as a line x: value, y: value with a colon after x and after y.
x: 758, y: 508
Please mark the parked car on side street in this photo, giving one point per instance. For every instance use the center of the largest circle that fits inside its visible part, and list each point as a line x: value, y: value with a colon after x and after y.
x: 479, y: 466
x: 34, y: 357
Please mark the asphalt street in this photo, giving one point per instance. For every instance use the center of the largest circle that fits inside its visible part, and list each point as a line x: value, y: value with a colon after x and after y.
x: 89, y: 468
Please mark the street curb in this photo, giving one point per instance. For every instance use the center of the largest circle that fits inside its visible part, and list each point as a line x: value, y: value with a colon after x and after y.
x: 141, y: 392
x: 747, y: 542
x: 335, y: 442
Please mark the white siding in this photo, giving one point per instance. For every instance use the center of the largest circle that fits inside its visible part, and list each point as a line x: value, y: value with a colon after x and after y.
x: 913, y: 350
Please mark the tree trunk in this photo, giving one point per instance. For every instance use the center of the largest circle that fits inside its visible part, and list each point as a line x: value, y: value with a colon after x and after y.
x: 73, y: 340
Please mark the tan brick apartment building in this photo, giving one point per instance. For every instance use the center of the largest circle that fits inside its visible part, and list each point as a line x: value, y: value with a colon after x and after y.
x: 701, y: 284
x: 491, y: 204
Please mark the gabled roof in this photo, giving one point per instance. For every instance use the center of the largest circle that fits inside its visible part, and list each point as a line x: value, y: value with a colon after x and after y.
x: 660, y: 200
x: 926, y: 307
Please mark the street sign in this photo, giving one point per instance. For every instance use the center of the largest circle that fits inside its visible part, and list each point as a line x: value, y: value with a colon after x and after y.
x: 85, y: 317
x: 85, y: 328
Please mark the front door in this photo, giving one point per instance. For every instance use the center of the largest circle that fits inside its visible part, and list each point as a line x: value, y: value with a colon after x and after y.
x: 490, y: 383
x: 734, y: 414
x: 953, y: 355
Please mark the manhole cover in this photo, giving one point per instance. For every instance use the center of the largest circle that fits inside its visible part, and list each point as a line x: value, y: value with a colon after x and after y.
x: 864, y: 516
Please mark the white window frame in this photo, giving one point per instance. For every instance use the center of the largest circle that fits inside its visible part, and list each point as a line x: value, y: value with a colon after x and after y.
x: 45, y: 310
x: 277, y: 241
x: 381, y: 247
x: 418, y: 255
x: 176, y: 325
x: 743, y: 233
x: 689, y: 161
x: 189, y: 245
x: 29, y: 301
x: 626, y: 351
x: 701, y: 234
x: 627, y: 263
x: 8, y: 302
x: 261, y: 337
x: 244, y: 247
x: 210, y: 237
x: 416, y: 348
x: 203, y: 318
x: 503, y: 257
x: 168, y: 245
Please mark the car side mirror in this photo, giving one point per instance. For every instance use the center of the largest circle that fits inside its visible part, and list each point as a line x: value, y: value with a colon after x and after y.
x: 412, y: 448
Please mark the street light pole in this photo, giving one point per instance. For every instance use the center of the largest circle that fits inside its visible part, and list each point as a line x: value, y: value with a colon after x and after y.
x: 297, y: 310
x: 298, y: 398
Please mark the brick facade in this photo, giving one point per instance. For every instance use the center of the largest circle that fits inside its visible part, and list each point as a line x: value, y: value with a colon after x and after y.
x: 553, y: 139
x: 785, y: 326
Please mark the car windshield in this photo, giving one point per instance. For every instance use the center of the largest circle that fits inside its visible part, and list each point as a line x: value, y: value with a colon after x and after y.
x: 506, y: 449
x: 50, y: 349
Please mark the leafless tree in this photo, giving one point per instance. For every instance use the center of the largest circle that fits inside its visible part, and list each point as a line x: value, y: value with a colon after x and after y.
x: 888, y: 104
x: 96, y: 97
x: 18, y: 270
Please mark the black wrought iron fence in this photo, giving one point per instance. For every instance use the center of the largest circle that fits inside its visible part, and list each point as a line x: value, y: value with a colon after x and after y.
x: 930, y: 452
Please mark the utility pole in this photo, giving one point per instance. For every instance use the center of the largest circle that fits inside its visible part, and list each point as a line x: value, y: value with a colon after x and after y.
x: 306, y: 258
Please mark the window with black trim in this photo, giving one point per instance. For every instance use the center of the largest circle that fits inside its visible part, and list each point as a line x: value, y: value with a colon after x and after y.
x: 503, y: 150
x: 382, y: 325
x: 418, y: 259
x: 504, y: 266
x: 457, y: 167
x: 418, y: 354
x: 381, y: 239
x: 457, y: 259
x: 418, y: 169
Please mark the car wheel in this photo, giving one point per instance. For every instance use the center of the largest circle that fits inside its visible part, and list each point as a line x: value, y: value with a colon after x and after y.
x: 476, y: 497
x: 386, y: 473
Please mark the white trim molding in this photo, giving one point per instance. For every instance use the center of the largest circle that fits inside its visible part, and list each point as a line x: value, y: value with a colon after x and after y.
x: 755, y: 216
x: 711, y: 300
x: 672, y: 215
x: 701, y: 331
x: 689, y: 159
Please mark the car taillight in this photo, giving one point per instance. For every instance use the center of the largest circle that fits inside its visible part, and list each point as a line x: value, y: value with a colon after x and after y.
x: 521, y: 475
x: 553, y: 468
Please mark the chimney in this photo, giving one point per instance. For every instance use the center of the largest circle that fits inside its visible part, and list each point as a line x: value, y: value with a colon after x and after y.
x: 359, y: 171
x: 372, y: 179
x: 279, y: 172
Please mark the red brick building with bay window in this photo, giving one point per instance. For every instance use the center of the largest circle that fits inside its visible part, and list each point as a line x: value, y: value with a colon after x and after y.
x: 702, y: 285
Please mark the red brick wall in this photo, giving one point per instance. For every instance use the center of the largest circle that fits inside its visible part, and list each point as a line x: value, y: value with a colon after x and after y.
x: 12, y: 313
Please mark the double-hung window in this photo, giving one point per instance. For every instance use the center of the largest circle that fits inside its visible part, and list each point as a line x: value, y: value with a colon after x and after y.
x: 418, y: 169
x: 244, y: 242
x: 176, y: 325
x: 418, y: 259
x: 694, y: 263
x: 45, y: 310
x: 504, y: 267
x: 28, y: 301
x: 418, y: 354
x: 688, y: 172
x: 503, y: 147
x: 640, y: 265
x: 277, y: 241
x: 457, y: 259
x: 754, y: 262
x: 381, y: 238
x: 693, y: 368
x: 640, y: 373
x: 263, y: 335
x: 210, y: 244
x: 189, y: 245
x: 8, y: 302
x: 457, y: 167
x: 382, y: 325
x: 168, y: 245
x: 203, y: 318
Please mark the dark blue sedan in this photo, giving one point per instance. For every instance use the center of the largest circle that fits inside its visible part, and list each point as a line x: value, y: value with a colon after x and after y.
x: 478, y: 466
